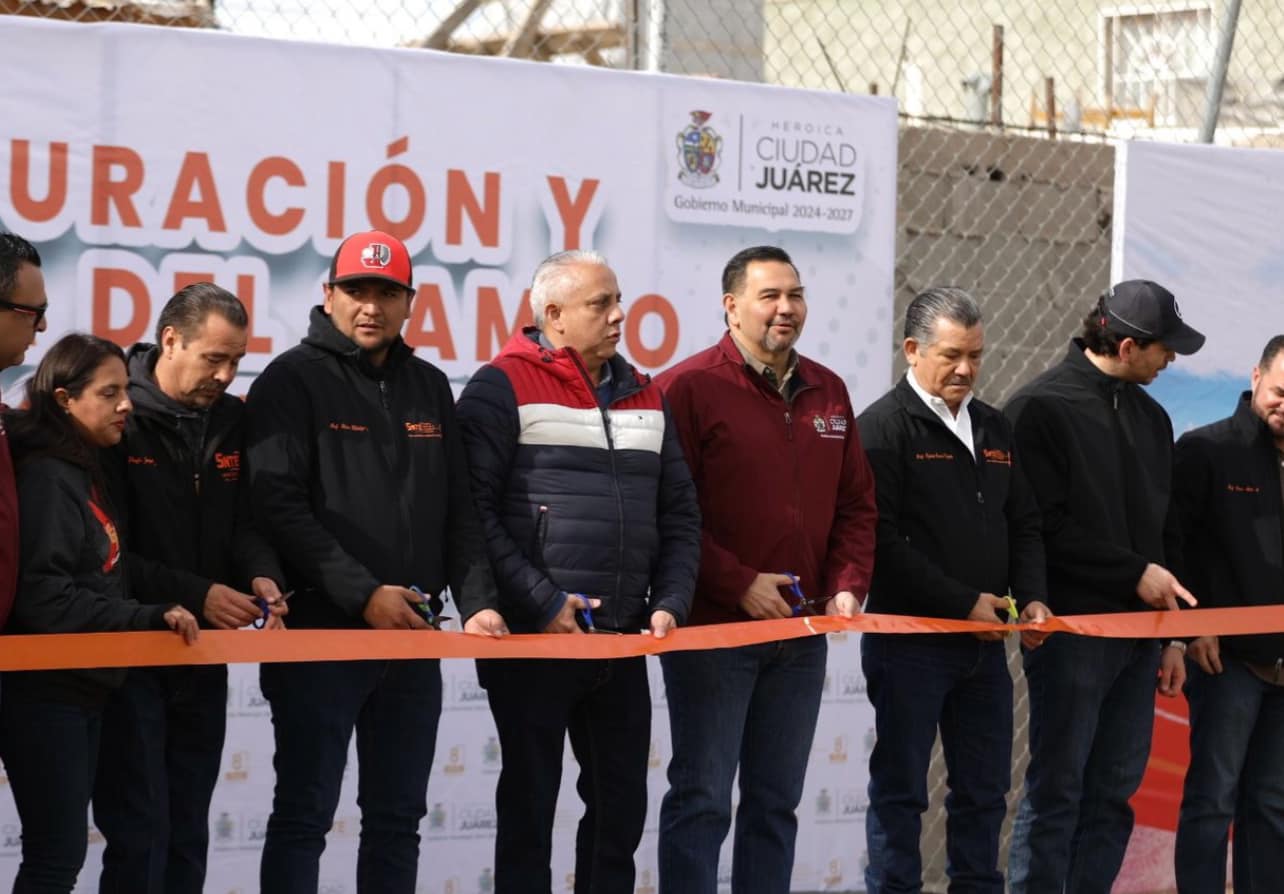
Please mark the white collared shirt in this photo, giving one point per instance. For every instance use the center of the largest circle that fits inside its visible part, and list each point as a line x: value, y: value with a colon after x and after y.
x: 960, y: 425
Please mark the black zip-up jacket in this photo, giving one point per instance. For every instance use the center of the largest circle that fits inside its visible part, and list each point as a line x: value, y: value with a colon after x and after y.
x: 951, y: 525
x: 579, y: 494
x: 358, y: 479
x: 72, y: 577
x: 177, y: 473
x: 1098, y: 453
x: 1226, y: 490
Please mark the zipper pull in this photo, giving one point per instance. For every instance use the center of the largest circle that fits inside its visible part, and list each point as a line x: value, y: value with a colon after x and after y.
x: 196, y: 479
x: 1116, y: 400
x: 789, y: 425
x: 980, y: 497
x: 383, y: 394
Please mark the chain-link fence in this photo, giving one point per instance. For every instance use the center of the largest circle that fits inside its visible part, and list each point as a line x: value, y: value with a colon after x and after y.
x: 1006, y: 175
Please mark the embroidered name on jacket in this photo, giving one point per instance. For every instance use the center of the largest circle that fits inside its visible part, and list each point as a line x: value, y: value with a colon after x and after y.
x: 1003, y: 457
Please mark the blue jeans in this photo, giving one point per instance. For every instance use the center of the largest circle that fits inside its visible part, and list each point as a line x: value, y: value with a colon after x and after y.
x: 755, y: 706
x: 1092, y: 710
x: 162, y: 746
x: 962, y: 685
x: 394, y: 707
x: 50, y: 751
x: 605, y: 707
x: 1236, y: 771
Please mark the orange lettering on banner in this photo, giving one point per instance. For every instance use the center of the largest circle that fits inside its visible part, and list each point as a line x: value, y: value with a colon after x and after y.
x: 652, y: 358
x: 277, y: 168
x: 335, y: 177
x: 182, y: 279
x: 195, y: 176
x: 572, y: 211
x: 37, y: 210
x: 461, y: 200
x: 106, y: 282
x: 419, y: 334
x: 256, y: 344
x: 493, y: 331
x: 104, y: 191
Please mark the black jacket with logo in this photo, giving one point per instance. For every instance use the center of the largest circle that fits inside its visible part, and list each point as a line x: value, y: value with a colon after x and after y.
x: 72, y: 577
x: 177, y: 475
x: 358, y: 479
x: 1098, y: 453
x: 1226, y: 490
x: 950, y: 525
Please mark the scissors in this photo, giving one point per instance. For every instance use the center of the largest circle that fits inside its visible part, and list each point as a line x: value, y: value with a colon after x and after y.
x: 797, y: 591
x: 1013, y: 614
x: 262, y: 603
x: 587, y: 612
x: 425, y: 608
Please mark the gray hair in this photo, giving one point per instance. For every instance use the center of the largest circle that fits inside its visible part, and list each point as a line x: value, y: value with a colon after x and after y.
x: 549, y: 282
x: 948, y: 302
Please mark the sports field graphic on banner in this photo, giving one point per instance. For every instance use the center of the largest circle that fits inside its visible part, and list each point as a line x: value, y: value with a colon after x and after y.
x: 140, y: 159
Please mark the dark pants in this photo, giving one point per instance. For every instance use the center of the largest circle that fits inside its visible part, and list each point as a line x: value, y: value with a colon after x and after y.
x: 50, y: 750
x: 605, y: 706
x: 162, y: 745
x: 394, y: 707
x: 754, y: 707
x: 1236, y: 771
x: 1092, y: 710
x: 962, y: 685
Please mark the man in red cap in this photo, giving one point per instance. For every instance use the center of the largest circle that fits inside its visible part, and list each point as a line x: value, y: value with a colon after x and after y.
x: 358, y: 478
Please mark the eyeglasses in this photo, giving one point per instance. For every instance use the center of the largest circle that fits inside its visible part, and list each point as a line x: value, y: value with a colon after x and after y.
x: 36, y: 313
x: 425, y: 608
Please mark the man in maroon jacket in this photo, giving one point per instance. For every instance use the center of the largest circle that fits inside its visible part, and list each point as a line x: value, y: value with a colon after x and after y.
x: 22, y: 315
x: 787, y: 510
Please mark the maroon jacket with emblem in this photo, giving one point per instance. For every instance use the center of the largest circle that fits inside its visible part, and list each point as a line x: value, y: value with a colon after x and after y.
x: 8, y: 528
x: 784, y: 485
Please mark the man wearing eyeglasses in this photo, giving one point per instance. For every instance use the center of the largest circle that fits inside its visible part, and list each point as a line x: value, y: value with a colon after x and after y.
x: 22, y: 314
x: 787, y: 510
x: 958, y: 537
x: 592, y: 527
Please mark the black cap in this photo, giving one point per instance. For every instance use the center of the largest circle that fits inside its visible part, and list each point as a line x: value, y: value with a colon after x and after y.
x: 1141, y: 309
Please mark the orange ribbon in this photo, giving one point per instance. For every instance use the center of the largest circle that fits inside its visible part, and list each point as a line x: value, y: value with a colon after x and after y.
x: 81, y: 650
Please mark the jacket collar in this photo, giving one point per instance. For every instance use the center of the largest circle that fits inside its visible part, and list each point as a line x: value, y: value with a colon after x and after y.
x: 146, y: 394
x: 731, y: 353
x: 1087, y: 373
x: 567, y: 365
x: 323, y: 335
x: 1249, y: 425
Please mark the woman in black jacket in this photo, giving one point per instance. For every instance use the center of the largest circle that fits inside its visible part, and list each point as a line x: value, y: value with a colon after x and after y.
x: 72, y: 580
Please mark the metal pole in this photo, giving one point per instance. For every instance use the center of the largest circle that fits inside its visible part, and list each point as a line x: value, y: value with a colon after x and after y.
x: 1217, y: 77
x: 996, y: 77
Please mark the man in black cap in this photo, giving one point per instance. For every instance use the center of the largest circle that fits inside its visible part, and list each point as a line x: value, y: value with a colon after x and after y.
x: 358, y: 478
x: 1098, y: 452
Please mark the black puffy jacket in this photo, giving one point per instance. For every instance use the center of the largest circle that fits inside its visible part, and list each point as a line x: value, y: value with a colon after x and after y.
x: 576, y: 497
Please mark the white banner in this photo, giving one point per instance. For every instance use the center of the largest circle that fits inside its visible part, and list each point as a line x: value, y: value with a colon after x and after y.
x: 142, y: 159
x: 1207, y: 222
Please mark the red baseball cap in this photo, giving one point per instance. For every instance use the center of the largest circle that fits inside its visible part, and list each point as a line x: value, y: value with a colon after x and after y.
x: 371, y: 255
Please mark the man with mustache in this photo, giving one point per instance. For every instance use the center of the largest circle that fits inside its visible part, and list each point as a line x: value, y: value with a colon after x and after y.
x: 1227, y: 489
x: 592, y: 527
x: 787, y: 510
x: 178, y: 489
x: 1098, y: 451
x: 958, y: 531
